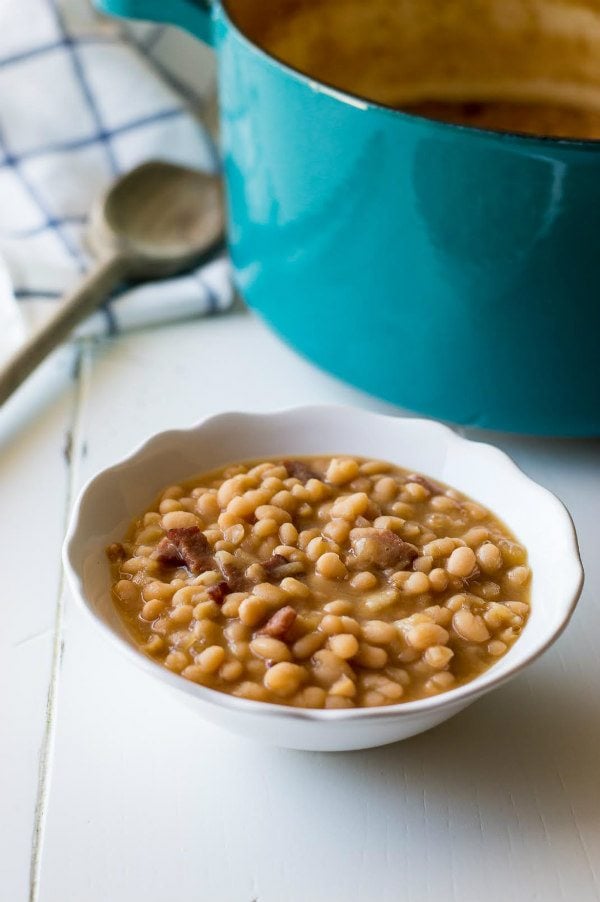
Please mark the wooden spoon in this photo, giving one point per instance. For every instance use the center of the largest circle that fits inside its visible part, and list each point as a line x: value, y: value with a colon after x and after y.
x: 156, y: 221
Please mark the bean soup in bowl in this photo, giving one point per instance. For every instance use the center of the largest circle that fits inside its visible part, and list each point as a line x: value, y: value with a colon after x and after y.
x: 322, y: 582
x: 324, y: 593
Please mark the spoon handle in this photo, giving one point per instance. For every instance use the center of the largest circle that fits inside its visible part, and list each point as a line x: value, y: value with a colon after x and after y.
x: 94, y: 288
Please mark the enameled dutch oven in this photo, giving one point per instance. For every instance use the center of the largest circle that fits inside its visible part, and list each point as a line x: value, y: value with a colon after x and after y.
x: 450, y: 270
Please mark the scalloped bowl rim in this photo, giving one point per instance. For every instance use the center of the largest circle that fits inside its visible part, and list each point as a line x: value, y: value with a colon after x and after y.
x: 459, y: 696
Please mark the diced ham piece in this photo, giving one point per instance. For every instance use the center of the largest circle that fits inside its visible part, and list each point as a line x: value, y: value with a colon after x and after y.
x: 219, y: 592
x: 233, y: 576
x: 299, y: 470
x: 187, y: 546
x: 167, y: 553
x: 279, y: 625
x: 381, y: 548
x: 194, y: 548
x: 275, y: 561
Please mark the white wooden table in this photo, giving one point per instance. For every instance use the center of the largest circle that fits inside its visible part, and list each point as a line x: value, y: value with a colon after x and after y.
x: 112, y: 792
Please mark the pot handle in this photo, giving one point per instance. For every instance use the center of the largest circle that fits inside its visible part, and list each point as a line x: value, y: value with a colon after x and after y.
x: 191, y: 15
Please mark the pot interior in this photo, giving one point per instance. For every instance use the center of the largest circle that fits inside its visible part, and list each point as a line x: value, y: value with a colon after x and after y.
x: 517, y: 65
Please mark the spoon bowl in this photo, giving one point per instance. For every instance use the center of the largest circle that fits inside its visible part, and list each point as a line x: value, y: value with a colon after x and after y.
x: 155, y: 221
x: 161, y: 217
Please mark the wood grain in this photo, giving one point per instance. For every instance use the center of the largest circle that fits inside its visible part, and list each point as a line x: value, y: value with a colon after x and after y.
x: 35, y: 438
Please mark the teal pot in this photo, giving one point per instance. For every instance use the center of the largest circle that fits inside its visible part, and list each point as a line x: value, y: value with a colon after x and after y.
x: 450, y: 270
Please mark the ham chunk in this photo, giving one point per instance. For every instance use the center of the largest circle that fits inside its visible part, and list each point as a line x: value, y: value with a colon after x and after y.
x: 167, y: 553
x: 300, y: 470
x: 187, y: 547
x: 219, y: 592
x: 381, y: 548
x: 233, y: 576
x: 279, y: 625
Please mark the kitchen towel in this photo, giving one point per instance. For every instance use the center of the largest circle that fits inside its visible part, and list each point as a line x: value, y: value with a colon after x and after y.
x: 83, y: 98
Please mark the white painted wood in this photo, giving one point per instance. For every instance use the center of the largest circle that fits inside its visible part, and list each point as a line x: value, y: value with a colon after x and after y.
x: 146, y: 802
x: 35, y: 427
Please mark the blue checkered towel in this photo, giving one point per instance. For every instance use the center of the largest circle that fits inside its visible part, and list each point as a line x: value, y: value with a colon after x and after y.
x: 83, y: 98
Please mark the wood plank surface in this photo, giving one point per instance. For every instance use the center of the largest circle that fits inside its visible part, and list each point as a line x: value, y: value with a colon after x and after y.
x: 35, y: 440
x: 147, y: 802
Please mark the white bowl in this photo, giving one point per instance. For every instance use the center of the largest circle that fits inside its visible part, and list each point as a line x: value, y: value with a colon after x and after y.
x: 112, y: 499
